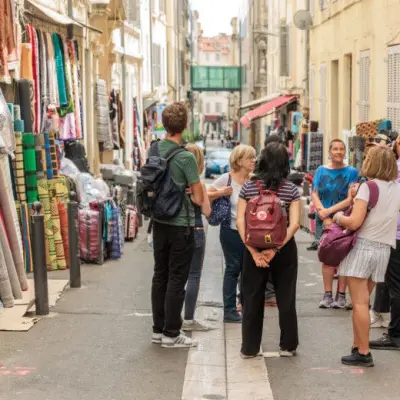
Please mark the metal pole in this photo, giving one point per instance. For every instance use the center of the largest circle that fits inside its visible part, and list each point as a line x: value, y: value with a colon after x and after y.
x: 73, y: 249
x: 307, y: 60
x: 39, y: 261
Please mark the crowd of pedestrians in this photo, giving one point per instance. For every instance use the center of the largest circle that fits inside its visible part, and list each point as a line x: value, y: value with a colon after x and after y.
x: 258, y: 210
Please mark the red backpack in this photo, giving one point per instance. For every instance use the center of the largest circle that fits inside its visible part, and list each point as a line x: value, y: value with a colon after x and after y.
x: 266, y: 220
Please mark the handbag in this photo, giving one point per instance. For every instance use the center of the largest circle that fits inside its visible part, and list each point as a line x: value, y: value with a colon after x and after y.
x: 221, y: 210
x: 337, y: 242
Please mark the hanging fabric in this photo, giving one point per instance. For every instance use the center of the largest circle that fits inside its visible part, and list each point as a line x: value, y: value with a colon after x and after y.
x: 114, y: 119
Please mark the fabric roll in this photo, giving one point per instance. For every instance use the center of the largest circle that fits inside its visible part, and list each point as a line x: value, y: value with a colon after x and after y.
x: 38, y: 155
x: 62, y: 192
x: 62, y: 211
x: 44, y: 197
x: 60, y: 74
x: 11, y: 109
x: 48, y: 155
x: 19, y: 171
x: 26, y: 237
x: 53, y: 153
x: 6, y: 294
x: 13, y: 180
x: 55, y: 217
x: 8, y: 258
x: 28, y: 142
x: 27, y: 101
x: 19, y: 125
x: 17, y: 112
x: 11, y: 220
x: 43, y: 152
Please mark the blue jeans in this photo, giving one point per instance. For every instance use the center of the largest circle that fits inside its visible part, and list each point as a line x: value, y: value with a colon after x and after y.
x: 233, y: 249
x: 196, y: 267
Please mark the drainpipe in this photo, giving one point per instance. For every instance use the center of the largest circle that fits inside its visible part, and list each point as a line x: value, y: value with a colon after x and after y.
x: 151, y: 48
x: 307, y: 60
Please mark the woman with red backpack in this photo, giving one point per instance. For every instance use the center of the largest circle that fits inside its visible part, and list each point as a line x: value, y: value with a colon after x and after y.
x: 268, y: 217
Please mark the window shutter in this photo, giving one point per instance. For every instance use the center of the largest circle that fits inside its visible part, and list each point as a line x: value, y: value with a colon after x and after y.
x: 284, y: 43
x: 393, y: 103
x: 322, y: 100
x: 364, y: 87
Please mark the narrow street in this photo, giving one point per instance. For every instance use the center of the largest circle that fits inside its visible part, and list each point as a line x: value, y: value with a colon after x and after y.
x: 96, y: 345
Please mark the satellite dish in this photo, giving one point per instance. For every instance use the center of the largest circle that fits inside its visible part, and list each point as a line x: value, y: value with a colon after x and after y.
x: 302, y: 20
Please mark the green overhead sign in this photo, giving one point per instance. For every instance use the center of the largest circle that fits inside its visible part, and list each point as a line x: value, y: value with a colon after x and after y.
x: 216, y: 78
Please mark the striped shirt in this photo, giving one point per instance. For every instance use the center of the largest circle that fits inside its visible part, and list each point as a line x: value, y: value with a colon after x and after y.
x: 287, y: 192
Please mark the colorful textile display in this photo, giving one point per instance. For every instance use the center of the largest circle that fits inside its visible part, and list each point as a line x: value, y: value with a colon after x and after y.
x: 131, y: 223
x: 53, y: 154
x: 62, y: 212
x: 29, y: 156
x: 315, y: 151
x: 367, y: 129
x: 356, y: 151
x: 26, y: 100
x: 89, y: 236
x: 102, y: 115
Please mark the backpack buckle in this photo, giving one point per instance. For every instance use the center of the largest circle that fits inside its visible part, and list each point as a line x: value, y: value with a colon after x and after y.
x: 267, y: 239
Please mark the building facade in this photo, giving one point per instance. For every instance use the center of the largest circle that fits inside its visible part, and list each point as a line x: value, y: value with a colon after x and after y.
x: 349, y: 45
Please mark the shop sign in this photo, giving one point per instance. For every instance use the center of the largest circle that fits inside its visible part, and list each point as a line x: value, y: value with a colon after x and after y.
x: 156, y: 119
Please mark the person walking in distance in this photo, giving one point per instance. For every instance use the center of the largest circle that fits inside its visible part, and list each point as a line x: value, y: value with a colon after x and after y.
x: 193, y: 284
x: 331, y: 185
x: 173, y: 238
x: 242, y: 162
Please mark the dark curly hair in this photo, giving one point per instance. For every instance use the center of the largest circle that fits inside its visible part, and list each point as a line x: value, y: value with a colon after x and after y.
x: 175, y: 118
x: 273, y: 165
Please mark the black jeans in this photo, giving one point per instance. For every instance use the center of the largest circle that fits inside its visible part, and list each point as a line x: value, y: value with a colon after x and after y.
x: 173, y: 252
x: 382, y: 299
x: 393, y: 284
x: 283, y: 269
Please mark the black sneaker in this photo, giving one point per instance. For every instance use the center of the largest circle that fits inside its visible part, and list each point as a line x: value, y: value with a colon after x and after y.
x: 384, y: 343
x: 355, y: 359
x: 313, y: 247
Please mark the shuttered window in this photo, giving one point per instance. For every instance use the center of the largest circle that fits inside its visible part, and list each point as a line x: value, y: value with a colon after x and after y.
x: 393, y: 103
x: 364, y: 87
x: 284, y: 54
x: 312, y: 92
x: 323, y: 97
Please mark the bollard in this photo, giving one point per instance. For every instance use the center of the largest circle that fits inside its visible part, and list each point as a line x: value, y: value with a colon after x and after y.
x: 73, y: 249
x: 39, y: 261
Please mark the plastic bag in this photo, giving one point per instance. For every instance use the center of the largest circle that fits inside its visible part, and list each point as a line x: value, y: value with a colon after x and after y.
x: 68, y: 167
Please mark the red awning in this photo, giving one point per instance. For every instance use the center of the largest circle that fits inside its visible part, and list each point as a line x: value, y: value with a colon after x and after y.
x: 266, y: 109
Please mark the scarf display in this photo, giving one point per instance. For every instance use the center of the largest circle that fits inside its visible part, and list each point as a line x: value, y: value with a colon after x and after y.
x: 114, y: 121
x: 315, y: 151
x: 102, y: 115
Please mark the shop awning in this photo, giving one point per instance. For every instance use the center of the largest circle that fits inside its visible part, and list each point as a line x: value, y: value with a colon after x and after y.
x: 55, y: 16
x: 259, y: 101
x: 266, y: 109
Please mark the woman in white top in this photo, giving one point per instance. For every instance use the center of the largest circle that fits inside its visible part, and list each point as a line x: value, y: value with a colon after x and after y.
x: 366, y: 263
x: 242, y: 162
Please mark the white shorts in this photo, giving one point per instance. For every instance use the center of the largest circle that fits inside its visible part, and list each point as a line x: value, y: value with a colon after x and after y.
x: 367, y: 260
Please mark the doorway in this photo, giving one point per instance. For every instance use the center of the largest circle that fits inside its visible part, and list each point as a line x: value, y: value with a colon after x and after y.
x: 348, y: 91
x: 334, y: 100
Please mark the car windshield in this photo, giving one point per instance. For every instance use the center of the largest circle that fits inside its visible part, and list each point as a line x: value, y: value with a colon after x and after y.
x: 220, y: 155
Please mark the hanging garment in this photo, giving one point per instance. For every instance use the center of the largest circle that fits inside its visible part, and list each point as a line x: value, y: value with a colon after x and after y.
x: 7, y: 143
x: 68, y: 127
x: 36, y: 78
x: 59, y: 66
x: 10, y: 31
x: 28, y: 142
x: 52, y: 72
x: 75, y: 88
x: 44, y: 197
x: 114, y: 119
x: 121, y: 123
x: 26, y: 61
x: 11, y: 219
x: 115, y: 234
x: 102, y: 115
x: 26, y: 97
x: 4, y: 73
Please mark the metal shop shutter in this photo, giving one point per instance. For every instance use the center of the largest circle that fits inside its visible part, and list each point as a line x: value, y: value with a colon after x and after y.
x: 393, y: 102
x: 364, y: 86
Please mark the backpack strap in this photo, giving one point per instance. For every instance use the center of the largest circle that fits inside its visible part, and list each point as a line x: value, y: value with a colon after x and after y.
x: 173, y: 152
x: 373, y: 194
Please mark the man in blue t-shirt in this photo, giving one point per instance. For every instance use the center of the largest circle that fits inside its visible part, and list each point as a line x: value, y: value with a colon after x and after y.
x: 331, y: 186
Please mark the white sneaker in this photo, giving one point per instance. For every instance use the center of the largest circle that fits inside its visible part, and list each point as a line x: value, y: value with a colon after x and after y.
x: 193, y: 325
x: 181, y: 341
x: 376, y: 319
x: 156, y: 338
x: 287, y: 353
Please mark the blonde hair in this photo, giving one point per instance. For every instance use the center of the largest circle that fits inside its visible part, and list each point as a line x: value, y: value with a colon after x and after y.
x: 198, y: 154
x: 380, y: 163
x: 238, y: 154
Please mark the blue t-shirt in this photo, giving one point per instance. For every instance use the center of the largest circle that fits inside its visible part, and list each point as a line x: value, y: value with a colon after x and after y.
x: 333, y: 185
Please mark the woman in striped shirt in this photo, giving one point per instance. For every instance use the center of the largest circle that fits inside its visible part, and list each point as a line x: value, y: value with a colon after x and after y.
x: 272, y: 172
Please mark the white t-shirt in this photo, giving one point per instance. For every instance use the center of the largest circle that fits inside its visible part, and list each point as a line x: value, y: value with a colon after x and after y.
x: 221, y: 182
x: 381, y: 223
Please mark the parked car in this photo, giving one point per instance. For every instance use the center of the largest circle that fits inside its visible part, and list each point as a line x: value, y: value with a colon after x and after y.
x: 217, y: 161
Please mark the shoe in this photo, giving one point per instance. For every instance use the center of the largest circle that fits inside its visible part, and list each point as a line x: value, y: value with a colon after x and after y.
x: 354, y: 350
x: 376, y: 319
x: 181, y: 341
x: 384, y: 343
x: 233, y: 318
x: 156, y: 338
x: 247, y: 357
x: 355, y: 359
x: 340, y: 303
x: 287, y: 353
x: 193, y: 325
x: 313, y: 247
x: 271, y: 302
x: 327, y: 301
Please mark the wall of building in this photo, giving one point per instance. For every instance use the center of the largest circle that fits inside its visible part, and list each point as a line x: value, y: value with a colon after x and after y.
x: 343, y: 33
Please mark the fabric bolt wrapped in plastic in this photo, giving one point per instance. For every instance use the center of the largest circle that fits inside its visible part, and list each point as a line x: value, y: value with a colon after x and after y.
x: 90, y: 189
x: 90, y: 243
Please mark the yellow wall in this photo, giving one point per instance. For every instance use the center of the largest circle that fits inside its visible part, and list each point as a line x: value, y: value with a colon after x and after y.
x: 351, y: 26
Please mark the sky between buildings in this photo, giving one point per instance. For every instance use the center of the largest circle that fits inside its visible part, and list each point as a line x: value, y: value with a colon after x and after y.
x: 216, y: 15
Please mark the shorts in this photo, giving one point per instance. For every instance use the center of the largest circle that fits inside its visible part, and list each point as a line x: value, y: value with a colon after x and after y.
x: 367, y: 260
